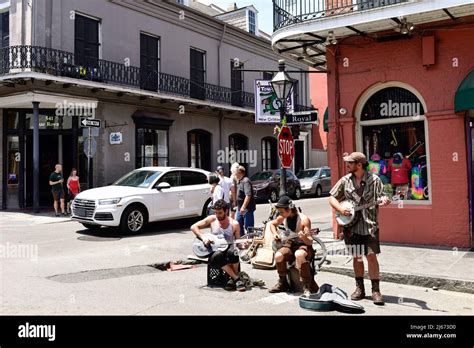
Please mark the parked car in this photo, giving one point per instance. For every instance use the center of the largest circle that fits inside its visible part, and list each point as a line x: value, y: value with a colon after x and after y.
x: 142, y: 196
x: 266, y: 185
x: 315, y: 181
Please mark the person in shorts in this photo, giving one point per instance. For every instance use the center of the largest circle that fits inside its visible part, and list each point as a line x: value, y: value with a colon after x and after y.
x: 56, y: 181
x: 362, y: 235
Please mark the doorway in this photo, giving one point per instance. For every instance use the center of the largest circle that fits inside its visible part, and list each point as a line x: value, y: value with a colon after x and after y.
x: 54, y: 149
x: 299, y: 156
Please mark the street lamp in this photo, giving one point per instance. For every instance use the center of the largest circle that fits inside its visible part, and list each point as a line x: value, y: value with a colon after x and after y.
x: 282, y: 85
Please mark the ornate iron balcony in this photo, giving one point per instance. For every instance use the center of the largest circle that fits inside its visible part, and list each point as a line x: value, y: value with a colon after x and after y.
x: 287, y: 12
x: 60, y: 63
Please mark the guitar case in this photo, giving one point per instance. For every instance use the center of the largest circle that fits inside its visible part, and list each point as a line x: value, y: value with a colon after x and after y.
x: 330, y: 298
x: 265, y: 255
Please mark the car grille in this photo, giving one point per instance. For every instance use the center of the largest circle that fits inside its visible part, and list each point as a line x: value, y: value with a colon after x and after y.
x: 83, y: 208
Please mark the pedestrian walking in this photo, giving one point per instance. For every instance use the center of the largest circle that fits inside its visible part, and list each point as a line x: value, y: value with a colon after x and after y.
x: 224, y: 182
x: 73, y: 188
x: 233, y: 189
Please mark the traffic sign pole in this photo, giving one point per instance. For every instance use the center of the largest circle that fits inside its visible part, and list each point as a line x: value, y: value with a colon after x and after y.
x: 89, y: 160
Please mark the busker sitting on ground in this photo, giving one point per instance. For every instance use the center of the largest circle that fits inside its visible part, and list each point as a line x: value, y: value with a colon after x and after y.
x: 228, y: 260
x: 299, y: 249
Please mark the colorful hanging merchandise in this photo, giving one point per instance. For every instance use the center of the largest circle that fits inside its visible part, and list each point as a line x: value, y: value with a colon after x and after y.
x: 416, y: 183
x: 378, y: 167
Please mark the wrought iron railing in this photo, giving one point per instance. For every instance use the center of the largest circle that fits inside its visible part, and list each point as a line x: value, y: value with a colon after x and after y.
x: 287, y: 12
x: 60, y: 63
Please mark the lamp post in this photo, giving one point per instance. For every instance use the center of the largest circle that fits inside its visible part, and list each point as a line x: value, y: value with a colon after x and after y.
x: 282, y: 85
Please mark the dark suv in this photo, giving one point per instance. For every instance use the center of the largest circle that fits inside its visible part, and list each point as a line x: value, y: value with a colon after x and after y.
x: 266, y: 185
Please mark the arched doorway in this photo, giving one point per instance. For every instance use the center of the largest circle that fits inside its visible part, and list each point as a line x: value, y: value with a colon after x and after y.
x: 392, y: 133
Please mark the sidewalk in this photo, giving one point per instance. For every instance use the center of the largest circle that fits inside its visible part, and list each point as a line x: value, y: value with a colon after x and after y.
x: 441, y: 268
x: 9, y: 219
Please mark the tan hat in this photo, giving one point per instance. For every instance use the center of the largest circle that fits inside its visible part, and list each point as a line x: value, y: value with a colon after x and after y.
x: 356, y: 157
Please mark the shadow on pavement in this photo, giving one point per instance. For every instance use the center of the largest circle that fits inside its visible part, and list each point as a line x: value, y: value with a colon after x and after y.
x: 407, y: 300
x: 153, y: 228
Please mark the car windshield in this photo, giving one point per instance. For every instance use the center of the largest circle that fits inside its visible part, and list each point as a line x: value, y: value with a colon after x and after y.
x: 261, y: 176
x: 304, y: 174
x: 138, y: 178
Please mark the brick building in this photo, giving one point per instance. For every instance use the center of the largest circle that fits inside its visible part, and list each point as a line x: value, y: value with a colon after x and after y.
x: 400, y: 82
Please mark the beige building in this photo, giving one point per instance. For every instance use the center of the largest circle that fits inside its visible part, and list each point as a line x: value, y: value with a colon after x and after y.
x: 157, y: 74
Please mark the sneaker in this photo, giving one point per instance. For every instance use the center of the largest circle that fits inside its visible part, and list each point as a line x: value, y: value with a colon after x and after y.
x: 240, y: 285
x: 57, y: 215
x: 306, y: 291
x: 230, y: 286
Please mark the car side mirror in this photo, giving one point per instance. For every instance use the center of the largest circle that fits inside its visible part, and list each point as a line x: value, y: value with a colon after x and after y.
x: 162, y: 186
x: 323, y: 175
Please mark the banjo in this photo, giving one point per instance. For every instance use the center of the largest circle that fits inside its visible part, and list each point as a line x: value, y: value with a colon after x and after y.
x: 353, y: 207
x: 218, y: 243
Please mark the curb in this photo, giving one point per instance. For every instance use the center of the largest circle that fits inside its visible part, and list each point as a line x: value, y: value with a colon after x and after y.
x: 458, y: 285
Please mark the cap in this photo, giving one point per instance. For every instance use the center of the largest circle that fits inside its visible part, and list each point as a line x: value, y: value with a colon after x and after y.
x: 285, y: 202
x: 356, y: 157
x: 219, y: 168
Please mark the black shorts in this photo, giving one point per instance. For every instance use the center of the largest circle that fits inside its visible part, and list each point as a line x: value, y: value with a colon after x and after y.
x: 219, y: 259
x: 357, y: 244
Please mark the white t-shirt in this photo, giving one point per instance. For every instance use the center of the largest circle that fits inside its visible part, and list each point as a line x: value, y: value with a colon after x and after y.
x: 226, y: 184
x: 217, y: 194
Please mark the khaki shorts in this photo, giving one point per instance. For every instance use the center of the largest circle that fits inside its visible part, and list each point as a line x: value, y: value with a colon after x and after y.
x: 57, y: 195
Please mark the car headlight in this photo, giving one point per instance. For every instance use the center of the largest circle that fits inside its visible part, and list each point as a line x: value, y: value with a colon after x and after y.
x: 109, y: 201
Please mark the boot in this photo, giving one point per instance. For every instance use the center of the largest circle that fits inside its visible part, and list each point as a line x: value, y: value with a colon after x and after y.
x: 313, y: 286
x: 281, y: 286
x: 376, y: 295
x: 359, y: 292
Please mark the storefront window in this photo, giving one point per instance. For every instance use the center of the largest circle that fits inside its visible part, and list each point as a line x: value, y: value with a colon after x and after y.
x: 13, y: 170
x: 393, y: 138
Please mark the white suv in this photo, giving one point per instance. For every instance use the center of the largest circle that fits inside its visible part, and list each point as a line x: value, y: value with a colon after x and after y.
x: 144, y: 195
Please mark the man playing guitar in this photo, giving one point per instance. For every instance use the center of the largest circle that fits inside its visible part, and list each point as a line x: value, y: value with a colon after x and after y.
x: 361, y: 236
x: 222, y: 224
x: 299, y: 250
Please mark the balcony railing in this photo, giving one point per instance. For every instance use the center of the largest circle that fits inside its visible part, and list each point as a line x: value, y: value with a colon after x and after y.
x: 60, y: 63
x: 287, y: 12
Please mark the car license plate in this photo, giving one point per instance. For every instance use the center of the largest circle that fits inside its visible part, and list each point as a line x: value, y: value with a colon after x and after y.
x: 80, y: 212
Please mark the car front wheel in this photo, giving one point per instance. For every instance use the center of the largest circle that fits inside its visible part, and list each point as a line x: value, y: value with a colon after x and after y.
x: 133, y: 220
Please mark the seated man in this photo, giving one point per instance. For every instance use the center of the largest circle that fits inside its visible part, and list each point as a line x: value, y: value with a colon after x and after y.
x: 299, y: 249
x: 222, y: 224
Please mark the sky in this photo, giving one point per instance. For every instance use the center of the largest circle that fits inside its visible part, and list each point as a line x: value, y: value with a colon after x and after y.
x: 264, y: 7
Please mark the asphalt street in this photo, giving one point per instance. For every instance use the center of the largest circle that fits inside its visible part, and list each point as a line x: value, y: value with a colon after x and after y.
x: 65, y: 269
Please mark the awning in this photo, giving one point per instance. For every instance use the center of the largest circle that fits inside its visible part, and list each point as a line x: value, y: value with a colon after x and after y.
x: 325, y: 120
x: 464, y: 99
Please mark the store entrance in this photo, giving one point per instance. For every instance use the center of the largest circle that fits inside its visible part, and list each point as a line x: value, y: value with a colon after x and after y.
x: 54, y: 149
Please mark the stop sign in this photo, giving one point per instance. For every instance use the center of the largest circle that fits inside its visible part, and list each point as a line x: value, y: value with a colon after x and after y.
x: 286, y: 149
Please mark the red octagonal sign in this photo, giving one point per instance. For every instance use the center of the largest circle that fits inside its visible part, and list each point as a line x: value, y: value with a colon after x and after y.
x: 286, y: 148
